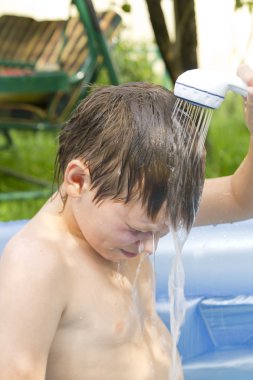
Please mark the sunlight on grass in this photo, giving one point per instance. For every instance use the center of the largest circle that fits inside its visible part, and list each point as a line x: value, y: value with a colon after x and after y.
x: 228, y: 138
x: 32, y: 153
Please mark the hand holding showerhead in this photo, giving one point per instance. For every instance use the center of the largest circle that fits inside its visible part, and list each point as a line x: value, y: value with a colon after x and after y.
x: 207, y: 88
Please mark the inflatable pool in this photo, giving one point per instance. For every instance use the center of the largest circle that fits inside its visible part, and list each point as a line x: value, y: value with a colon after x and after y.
x: 217, y: 336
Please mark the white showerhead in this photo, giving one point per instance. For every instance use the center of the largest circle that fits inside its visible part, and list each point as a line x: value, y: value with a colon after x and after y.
x: 207, y: 88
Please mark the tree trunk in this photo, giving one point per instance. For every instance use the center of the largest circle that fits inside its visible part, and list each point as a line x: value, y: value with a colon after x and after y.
x: 181, y: 54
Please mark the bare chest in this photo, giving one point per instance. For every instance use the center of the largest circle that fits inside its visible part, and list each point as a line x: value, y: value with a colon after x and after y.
x: 110, y: 331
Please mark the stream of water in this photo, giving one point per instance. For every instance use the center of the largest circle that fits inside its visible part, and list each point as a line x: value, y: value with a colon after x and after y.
x: 191, y: 123
x: 177, y: 302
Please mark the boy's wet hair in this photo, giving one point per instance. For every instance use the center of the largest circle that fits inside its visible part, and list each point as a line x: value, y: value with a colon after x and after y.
x: 126, y: 136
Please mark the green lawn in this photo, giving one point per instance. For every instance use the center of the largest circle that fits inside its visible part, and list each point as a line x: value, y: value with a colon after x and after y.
x: 32, y: 153
x: 228, y: 138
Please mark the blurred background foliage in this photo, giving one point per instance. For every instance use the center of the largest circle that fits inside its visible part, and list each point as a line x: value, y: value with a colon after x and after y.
x: 34, y: 152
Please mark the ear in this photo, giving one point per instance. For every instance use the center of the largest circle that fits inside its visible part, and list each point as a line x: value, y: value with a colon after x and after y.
x: 76, y: 178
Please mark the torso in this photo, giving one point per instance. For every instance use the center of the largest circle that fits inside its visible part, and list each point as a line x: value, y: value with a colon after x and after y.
x: 107, y: 330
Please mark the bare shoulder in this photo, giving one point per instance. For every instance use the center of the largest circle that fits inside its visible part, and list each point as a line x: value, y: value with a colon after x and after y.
x: 29, y: 256
x: 28, y: 246
x: 33, y: 298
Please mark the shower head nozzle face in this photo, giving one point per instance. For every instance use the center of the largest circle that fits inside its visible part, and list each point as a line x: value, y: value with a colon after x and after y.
x: 207, y: 88
x: 196, y: 96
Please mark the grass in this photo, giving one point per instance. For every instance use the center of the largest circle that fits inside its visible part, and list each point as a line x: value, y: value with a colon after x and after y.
x: 32, y: 153
x: 228, y: 138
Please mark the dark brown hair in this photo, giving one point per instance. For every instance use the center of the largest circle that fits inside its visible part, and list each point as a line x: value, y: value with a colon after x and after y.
x: 126, y: 136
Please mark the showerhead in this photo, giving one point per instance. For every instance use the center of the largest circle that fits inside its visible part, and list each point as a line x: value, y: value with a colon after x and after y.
x: 206, y: 88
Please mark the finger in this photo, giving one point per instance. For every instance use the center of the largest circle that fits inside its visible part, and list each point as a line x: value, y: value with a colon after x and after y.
x: 249, y: 109
x: 250, y: 97
x: 246, y: 74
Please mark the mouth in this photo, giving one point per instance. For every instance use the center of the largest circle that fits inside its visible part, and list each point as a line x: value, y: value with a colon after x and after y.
x: 129, y: 254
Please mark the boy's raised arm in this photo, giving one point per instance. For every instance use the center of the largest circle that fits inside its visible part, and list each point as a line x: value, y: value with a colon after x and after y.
x: 230, y: 198
x: 31, y: 304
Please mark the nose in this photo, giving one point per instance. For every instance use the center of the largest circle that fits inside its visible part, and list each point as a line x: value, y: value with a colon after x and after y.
x: 147, y: 243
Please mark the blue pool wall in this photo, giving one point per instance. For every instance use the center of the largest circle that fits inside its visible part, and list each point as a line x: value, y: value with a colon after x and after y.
x: 217, y: 335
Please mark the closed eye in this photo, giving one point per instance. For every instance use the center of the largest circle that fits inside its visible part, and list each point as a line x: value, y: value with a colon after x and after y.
x: 157, y: 234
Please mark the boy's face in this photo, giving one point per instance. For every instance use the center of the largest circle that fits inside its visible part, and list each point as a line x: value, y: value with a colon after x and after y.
x: 115, y: 230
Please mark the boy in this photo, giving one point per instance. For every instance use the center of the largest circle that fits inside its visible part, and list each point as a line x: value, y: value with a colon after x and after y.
x: 66, y: 310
